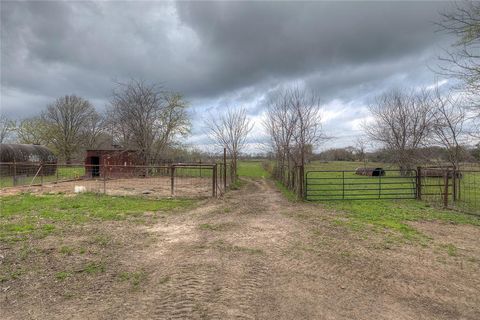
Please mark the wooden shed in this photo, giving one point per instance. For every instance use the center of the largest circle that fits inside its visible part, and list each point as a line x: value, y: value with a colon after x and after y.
x: 112, y: 163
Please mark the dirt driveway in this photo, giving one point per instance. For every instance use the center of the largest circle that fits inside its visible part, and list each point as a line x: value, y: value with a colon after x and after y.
x: 254, y: 255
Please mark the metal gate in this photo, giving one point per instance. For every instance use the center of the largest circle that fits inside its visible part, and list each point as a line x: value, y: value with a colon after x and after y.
x: 348, y: 185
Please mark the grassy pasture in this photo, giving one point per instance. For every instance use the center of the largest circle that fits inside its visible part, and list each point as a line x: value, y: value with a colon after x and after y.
x: 252, y: 169
x: 63, y: 173
x: 334, y: 185
x: 25, y: 216
x: 381, y: 213
x: 61, y: 240
x: 346, y: 165
x: 390, y: 213
x: 389, y: 186
x: 98, y: 252
x: 394, y: 215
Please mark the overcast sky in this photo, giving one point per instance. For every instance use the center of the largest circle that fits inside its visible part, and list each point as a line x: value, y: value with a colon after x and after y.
x: 220, y: 54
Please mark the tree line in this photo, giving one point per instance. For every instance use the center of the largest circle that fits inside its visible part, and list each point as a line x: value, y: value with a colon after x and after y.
x: 404, y: 122
x: 140, y: 116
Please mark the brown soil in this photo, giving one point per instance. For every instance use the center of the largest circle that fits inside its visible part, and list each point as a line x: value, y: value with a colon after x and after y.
x: 251, y: 255
x: 158, y: 187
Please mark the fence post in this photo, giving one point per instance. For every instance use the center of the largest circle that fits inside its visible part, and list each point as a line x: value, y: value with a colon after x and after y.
x: 300, y: 182
x: 419, y: 183
x: 104, y: 170
x: 305, y: 183
x: 379, y: 186
x: 454, y: 184
x: 172, y: 180
x: 41, y: 173
x: 445, y: 194
x: 225, y: 169
x: 56, y: 172
x: 14, y: 173
x: 214, y: 180
x: 459, y: 187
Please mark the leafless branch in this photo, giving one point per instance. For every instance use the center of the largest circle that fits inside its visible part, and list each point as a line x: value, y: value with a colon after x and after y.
x: 144, y: 116
x: 7, y: 126
x: 230, y: 130
x: 402, y: 124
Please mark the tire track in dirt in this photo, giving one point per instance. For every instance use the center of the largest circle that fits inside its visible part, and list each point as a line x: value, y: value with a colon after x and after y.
x: 254, y: 255
x: 184, y: 294
x: 213, y: 275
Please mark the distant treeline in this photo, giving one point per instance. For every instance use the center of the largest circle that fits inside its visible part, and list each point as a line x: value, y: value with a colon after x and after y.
x: 427, y: 155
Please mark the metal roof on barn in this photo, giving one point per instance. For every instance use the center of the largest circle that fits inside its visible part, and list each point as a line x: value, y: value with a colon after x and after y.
x: 26, y: 153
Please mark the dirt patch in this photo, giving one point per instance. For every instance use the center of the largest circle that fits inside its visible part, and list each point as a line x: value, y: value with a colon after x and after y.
x: 250, y: 255
x: 157, y: 187
x: 457, y: 240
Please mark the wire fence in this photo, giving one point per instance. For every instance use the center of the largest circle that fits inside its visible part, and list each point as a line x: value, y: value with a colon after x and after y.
x: 440, y: 186
x: 468, y: 192
x: 451, y: 188
x: 224, y: 176
x: 350, y: 185
x: 454, y: 189
x: 291, y: 177
x: 173, y: 180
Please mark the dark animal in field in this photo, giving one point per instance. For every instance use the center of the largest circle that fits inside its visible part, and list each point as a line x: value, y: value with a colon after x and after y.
x: 373, y: 172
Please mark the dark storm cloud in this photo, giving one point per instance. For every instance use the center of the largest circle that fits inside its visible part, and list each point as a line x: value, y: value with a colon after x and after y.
x: 216, y: 53
x: 261, y: 41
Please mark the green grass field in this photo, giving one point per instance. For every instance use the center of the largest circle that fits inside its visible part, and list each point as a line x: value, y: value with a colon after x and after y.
x: 26, y: 215
x: 252, y: 169
x: 336, y: 185
x: 382, y: 213
x: 329, y: 185
x: 64, y: 173
x: 346, y: 165
x: 392, y: 214
x: 395, y: 214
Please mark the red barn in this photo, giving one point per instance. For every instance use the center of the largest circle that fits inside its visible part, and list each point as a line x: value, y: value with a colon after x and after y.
x: 112, y: 163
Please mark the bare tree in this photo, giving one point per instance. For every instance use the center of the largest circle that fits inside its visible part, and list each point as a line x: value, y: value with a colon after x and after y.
x: 307, y: 132
x: 32, y: 131
x: 94, y: 128
x: 293, y: 123
x: 230, y: 130
x: 144, y: 116
x: 402, y: 123
x: 463, y: 60
x: 7, y: 126
x: 280, y: 124
x: 67, y: 119
x: 450, y: 126
x: 361, y: 150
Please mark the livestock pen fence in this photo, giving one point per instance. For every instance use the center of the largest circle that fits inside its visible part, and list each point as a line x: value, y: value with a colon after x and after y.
x: 442, y: 186
x: 176, y: 179
x: 451, y: 188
